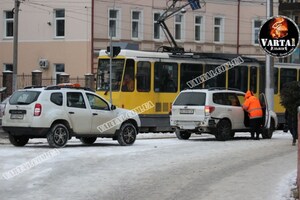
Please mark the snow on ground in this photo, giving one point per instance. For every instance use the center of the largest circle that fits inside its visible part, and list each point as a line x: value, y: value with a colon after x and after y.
x: 150, y: 140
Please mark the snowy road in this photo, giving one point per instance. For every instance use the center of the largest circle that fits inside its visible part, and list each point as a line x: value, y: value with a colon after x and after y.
x: 156, y: 167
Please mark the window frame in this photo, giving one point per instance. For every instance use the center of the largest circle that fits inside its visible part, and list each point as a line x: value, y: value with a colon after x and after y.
x: 155, y: 25
x: 160, y: 68
x: 117, y: 23
x: 221, y: 29
x: 107, y: 108
x: 82, y: 97
x: 254, y: 29
x: 6, y: 65
x: 148, y: 76
x: 6, y: 22
x: 139, y: 23
x: 181, y: 25
x: 56, y: 93
x: 57, y: 19
x: 201, y: 26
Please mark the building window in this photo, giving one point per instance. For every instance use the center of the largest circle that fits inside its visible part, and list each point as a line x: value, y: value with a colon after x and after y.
x: 8, y: 67
x: 198, y: 28
x: 58, y: 69
x: 218, y: 29
x: 156, y: 27
x: 113, y: 21
x: 256, y: 26
x: 9, y: 24
x: 179, y: 27
x: 60, y: 23
x: 136, y: 24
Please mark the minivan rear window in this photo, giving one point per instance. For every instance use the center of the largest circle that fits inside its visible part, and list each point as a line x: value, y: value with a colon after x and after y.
x: 24, y: 97
x: 190, y: 99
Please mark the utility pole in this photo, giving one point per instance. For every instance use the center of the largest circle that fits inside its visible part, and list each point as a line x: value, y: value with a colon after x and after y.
x: 15, y: 45
x: 269, y: 90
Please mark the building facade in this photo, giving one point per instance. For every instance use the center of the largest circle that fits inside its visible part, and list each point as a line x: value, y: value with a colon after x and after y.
x: 291, y: 9
x: 227, y: 26
x: 54, y: 37
x: 58, y: 36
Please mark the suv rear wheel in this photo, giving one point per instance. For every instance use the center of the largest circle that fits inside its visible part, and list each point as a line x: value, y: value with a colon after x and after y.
x: 223, y: 130
x: 182, y: 135
x: 58, y: 136
x: 127, y: 134
x: 88, y: 140
x: 18, y: 141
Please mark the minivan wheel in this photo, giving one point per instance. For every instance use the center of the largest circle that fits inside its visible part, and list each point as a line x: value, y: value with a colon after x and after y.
x: 58, y: 136
x: 182, y: 135
x: 127, y: 134
x: 268, y: 133
x: 88, y: 140
x: 18, y: 141
x: 223, y: 130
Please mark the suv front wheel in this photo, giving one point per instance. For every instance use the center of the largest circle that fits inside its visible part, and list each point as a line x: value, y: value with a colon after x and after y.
x: 58, y: 136
x: 127, y: 134
x: 182, y: 135
x: 18, y: 141
x: 223, y: 130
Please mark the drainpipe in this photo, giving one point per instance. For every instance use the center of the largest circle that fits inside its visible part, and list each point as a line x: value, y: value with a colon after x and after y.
x: 92, y: 36
x: 238, y: 28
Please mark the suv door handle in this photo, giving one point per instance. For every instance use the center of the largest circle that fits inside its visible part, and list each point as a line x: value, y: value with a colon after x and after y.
x: 95, y: 114
x: 229, y: 109
x: 71, y: 113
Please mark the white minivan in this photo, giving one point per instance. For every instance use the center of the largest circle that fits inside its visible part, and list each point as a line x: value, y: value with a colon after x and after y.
x: 215, y: 111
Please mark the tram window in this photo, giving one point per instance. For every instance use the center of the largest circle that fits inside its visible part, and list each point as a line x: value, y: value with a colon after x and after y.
x: 275, y: 80
x: 143, y: 76
x: 217, y: 81
x: 253, y: 79
x: 103, y: 74
x: 165, y: 77
x: 128, y: 79
x: 188, y: 72
x: 287, y: 75
x: 238, y: 78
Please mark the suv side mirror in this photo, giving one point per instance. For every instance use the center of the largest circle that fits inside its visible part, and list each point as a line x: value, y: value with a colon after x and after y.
x: 113, y: 107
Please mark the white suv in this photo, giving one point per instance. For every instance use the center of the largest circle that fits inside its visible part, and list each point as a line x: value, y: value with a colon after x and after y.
x: 58, y: 113
x: 215, y: 111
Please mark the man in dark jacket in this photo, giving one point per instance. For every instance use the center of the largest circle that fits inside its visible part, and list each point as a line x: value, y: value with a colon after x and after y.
x: 292, y: 123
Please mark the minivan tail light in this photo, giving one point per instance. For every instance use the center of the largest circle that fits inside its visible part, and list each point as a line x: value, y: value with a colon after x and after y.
x: 37, y: 109
x: 209, y: 109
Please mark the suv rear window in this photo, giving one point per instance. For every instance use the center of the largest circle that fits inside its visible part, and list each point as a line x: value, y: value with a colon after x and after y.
x: 191, y: 98
x: 24, y: 97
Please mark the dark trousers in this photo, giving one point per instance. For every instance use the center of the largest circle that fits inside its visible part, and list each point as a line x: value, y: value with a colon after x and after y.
x: 256, y: 126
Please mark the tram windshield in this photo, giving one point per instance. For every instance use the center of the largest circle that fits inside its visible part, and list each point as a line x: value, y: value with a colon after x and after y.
x: 103, y: 74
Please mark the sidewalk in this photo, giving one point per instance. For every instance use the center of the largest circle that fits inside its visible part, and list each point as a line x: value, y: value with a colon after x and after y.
x: 3, y: 137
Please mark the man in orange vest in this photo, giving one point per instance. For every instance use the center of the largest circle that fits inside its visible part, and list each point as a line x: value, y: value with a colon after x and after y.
x: 255, y: 113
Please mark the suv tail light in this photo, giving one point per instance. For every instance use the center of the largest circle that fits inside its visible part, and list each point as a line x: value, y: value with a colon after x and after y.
x: 37, y: 109
x: 208, y: 109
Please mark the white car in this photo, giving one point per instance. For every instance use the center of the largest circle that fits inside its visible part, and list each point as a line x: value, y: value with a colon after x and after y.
x: 215, y: 111
x: 59, y: 112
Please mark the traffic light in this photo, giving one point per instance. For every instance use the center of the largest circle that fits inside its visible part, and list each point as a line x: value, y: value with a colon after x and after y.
x: 116, y: 50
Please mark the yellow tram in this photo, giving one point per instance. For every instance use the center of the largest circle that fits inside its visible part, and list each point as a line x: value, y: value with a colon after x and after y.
x: 139, y: 77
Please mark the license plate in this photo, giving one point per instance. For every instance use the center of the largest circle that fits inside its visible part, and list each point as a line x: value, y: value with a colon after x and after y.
x: 186, y: 111
x: 16, y: 116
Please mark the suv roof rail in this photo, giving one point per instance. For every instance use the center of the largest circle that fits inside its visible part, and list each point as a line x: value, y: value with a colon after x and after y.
x: 34, y: 86
x: 58, y: 87
x: 224, y: 88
